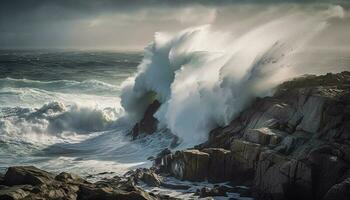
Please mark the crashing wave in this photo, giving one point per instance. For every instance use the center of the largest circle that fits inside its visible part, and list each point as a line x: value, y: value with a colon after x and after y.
x: 53, y: 121
x: 203, y: 78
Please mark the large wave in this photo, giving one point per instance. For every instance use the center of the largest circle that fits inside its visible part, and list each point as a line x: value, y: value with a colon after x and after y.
x: 203, y: 78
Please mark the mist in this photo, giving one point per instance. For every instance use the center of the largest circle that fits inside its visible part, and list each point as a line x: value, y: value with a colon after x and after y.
x: 204, y: 76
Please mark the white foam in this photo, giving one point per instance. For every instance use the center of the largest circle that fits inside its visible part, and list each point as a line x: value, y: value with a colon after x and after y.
x: 204, y: 78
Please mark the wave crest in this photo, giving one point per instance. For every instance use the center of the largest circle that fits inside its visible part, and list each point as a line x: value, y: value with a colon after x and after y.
x: 204, y: 78
x: 53, y: 121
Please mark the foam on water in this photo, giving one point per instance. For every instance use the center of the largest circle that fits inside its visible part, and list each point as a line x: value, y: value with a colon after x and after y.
x: 64, y: 111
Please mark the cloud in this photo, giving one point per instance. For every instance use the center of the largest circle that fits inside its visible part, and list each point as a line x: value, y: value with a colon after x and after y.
x: 129, y: 23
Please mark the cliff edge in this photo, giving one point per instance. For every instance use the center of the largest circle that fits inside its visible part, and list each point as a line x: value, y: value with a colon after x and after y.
x: 292, y: 145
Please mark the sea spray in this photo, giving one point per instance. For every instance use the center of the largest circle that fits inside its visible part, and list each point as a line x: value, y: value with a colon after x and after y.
x: 203, y: 78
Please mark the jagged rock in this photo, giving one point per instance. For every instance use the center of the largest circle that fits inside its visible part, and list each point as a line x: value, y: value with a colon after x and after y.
x: 148, y: 124
x: 160, y: 159
x: 292, y: 145
x: 69, y: 178
x: 1, y: 179
x: 147, y: 176
x: 340, y: 191
x: 283, y: 178
x: 21, y: 175
x: 220, y: 164
x: 29, y: 183
x: 13, y: 193
x: 245, y: 156
x: 108, y: 193
x: 328, y: 169
x: 190, y: 165
x: 211, y: 192
x: 263, y: 136
x: 306, y: 113
x: 175, y: 186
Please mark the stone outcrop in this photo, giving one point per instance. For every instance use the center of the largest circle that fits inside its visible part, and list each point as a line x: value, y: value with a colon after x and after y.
x: 190, y: 165
x: 292, y: 145
x: 29, y: 183
x: 148, y: 124
x: 340, y: 191
x: 26, y: 175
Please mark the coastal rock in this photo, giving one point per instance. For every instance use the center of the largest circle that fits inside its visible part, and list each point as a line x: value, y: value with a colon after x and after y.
x: 21, y: 175
x: 220, y: 164
x: 70, y: 178
x: 13, y: 193
x: 88, y: 192
x: 28, y: 182
x: 292, y: 145
x: 245, y: 156
x: 211, y: 192
x: 340, y: 191
x: 283, y: 178
x: 148, y: 124
x: 264, y: 136
x: 1, y: 179
x: 190, y: 165
x: 329, y: 168
x: 147, y: 176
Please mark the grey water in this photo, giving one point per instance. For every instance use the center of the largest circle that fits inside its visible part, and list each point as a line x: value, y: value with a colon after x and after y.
x: 59, y: 109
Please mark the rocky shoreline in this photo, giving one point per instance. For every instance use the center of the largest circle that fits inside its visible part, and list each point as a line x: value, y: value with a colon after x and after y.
x: 292, y: 145
x: 29, y: 183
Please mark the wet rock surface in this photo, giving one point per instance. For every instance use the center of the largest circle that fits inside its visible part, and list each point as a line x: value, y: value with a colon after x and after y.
x: 148, y: 124
x: 29, y: 183
x: 293, y: 145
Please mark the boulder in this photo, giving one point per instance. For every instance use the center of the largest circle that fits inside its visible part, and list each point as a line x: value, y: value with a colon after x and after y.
x: 70, y: 178
x: 245, y: 155
x: 283, y: 178
x: 211, y: 192
x: 147, y: 176
x: 89, y: 192
x: 27, y: 182
x: 220, y: 164
x: 264, y: 136
x: 148, y: 124
x: 162, y: 159
x: 21, y: 175
x: 13, y: 193
x: 340, y: 191
x: 190, y: 165
x: 328, y: 168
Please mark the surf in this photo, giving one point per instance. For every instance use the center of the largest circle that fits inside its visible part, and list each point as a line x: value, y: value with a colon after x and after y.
x: 204, y: 78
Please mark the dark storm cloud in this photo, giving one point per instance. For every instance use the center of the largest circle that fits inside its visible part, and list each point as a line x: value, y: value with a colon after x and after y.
x: 79, y: 23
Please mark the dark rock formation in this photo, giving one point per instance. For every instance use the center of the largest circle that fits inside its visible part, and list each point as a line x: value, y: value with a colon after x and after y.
x: 26, y: 175
x: 148, y: 124
x: 340, y: 191
x: 293, y: 145
x: 222, y: 190
x: 29, y: 183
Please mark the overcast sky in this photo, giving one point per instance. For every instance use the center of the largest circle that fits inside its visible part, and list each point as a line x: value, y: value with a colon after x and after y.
x: 131, y: 24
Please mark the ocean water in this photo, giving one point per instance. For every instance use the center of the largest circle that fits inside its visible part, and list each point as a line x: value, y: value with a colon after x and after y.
x: 70, y: 110
x: 59, y: 111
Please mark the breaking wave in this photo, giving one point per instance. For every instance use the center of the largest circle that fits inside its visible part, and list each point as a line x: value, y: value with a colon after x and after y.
x: 203, y: 78
x: 53, y: 122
